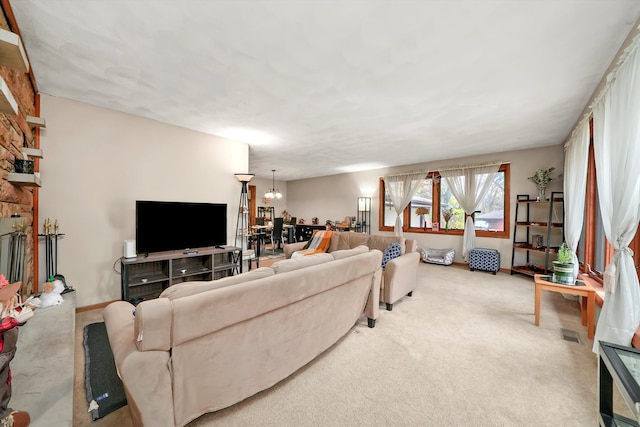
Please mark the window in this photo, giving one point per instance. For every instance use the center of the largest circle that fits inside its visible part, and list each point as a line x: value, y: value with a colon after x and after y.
x: 421, y: 206
x: 433, y: 197
x: 389, y: 213
x: 449, y: 205
x: 490, y: 213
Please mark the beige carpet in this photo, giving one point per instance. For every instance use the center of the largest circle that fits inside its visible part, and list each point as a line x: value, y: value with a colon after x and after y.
x: 462, y: 351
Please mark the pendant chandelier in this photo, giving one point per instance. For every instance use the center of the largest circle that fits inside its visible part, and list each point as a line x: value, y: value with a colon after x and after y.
x: 274, y: 193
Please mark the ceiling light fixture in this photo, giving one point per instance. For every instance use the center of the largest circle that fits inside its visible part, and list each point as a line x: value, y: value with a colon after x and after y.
x: 274, y: 193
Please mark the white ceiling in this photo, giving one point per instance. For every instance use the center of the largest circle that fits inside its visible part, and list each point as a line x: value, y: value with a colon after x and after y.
x: 322, y: 87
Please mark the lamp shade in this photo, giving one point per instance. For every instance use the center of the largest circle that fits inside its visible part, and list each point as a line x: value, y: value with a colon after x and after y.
x: 364, y: 204
x: 244, y: 177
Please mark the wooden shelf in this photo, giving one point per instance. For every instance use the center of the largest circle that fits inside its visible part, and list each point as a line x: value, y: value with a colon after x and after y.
x: 539, y: 223
x: 26, y: 179
x: 8, y: 104
x: 33, y: 152
x: 529, y: 247
x: 12, y: 53
x: 526, y: 269
x: 529, y: 224
x: 555, y: 199
x: 523, y: 269
x: 38, y: 122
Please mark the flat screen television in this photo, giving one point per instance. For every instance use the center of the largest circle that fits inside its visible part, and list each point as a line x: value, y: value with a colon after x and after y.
x: 170, y: 226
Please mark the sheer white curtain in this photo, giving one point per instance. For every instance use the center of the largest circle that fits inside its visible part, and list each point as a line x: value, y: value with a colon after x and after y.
x: 401, y: 189
x: 575, y: 186
x: 616, y: 128
x: 469, y: 185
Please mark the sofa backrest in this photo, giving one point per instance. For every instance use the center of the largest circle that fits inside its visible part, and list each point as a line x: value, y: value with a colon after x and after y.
x: 300, y: 262
x: 186, y: 289
x: 346, y: 253
x: 229, y: 343
x: 345, y: 240
x: 162, y: 323
x: 342, y: 240
x: 380, y: 242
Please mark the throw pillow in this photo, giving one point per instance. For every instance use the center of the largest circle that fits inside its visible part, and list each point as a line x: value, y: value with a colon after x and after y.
x: 391, y: 252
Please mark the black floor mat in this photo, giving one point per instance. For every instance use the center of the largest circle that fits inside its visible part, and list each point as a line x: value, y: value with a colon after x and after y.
x: 102, y: 383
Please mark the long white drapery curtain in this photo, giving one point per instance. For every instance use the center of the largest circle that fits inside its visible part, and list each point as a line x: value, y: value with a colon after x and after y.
x: 576, y: 162
x: 617, y: 152
x: 401, y: 189
x: 469, y: 185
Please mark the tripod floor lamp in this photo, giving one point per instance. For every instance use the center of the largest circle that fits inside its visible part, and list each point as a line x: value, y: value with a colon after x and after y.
x: 242, y: 226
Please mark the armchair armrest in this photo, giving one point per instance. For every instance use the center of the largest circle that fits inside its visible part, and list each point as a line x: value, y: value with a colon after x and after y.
x: 400, y: 277
x: 290, y: 248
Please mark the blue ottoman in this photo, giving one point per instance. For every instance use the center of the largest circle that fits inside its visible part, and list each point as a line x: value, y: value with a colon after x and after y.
x: 484, y: 259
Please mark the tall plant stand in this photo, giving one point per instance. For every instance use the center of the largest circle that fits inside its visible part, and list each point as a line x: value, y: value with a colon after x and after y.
x: 529, y: 221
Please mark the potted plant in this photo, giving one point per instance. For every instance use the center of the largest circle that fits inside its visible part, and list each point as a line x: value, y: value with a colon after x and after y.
x: 563, y: 266
x: 447, y: 215
x: 541, y: 178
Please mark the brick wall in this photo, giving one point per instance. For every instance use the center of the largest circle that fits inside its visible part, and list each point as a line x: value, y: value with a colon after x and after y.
x: 14, y: 130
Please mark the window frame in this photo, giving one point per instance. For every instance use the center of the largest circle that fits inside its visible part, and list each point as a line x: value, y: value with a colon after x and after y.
x: 435, y: 211
x: 590, y: 236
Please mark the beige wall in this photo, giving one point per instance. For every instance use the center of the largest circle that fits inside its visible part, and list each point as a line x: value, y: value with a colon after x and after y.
x: 97, y: 162
x: 334, y: 197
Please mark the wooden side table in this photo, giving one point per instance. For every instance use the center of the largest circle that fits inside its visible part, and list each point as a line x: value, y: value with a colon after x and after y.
x: 583, y: 290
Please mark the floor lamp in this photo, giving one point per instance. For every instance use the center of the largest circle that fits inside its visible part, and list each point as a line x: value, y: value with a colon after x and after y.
x: 364, y: 215
x: 242, y: 226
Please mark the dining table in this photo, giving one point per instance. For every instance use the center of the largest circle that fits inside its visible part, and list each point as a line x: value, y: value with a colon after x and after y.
x: 258, y: 234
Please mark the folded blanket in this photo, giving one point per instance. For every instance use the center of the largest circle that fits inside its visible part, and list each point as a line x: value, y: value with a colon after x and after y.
x: 319, y: 243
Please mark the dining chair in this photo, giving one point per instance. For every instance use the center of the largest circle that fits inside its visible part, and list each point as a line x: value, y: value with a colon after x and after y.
x: 262, y: 237
x: 259, y: 220
x: 276, y: 233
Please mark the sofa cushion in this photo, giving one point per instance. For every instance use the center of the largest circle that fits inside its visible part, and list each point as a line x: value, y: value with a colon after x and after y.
x: 347, y: 240
x: 391, y: 252
x: 300, y: 262
x: 346, y: 253
x: 382, y: 242
x: 186, y: 289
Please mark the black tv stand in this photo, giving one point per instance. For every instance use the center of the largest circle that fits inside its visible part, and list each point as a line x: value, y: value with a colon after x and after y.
x: 145, y: 278
x: 219, y: 247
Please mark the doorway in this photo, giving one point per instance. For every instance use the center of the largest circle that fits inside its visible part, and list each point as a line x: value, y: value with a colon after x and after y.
x: 252, y: 204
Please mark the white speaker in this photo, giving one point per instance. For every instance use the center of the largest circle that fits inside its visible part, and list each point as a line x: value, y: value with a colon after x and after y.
x: 129, y: 249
